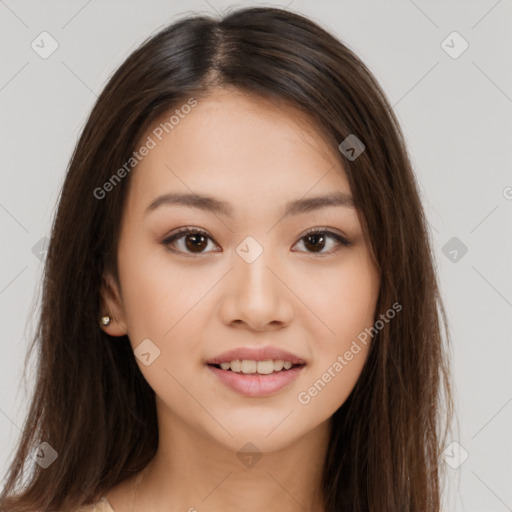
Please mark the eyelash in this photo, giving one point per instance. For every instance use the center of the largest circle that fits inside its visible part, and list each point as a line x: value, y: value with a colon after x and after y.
x: 342, y: 241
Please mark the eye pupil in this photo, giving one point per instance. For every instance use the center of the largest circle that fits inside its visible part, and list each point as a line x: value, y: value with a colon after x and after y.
x: 195, y: 237
x: 316, y: 237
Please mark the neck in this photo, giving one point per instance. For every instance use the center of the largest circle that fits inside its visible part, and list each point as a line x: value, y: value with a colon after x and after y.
x: 192, y: 472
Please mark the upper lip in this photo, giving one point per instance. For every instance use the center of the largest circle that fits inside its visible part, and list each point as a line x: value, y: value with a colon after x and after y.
x: 256, y: 354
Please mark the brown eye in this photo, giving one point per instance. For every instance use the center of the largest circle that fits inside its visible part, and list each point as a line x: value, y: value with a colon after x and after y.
x: 194, y: 241
x: 316, y: 240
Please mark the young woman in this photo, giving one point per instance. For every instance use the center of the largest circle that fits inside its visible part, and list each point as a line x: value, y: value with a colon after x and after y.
x: 240, y: 307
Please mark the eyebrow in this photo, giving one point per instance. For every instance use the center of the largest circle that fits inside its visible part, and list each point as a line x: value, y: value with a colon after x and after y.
x: 213, y: 205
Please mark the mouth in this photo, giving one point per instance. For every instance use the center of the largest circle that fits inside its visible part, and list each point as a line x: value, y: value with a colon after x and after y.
x: 252, y: 367
x: 257, y: 378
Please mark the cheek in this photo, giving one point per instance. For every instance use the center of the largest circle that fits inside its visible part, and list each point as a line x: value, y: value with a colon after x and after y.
x: 346, y: 306
x: 330, y: 384
x: 343, y: 299
x: 157, y: 297
x: 161, y: 306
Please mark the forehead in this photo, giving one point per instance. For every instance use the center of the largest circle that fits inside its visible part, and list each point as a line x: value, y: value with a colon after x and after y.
x: 234, y: 142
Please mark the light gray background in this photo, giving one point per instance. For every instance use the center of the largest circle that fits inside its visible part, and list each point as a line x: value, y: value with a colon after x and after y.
x: 456, y: 115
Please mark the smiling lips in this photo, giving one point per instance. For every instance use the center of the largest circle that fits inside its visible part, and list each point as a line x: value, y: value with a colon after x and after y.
x: 256, y: 354
x: 256, y: 372
x: 247, y: 366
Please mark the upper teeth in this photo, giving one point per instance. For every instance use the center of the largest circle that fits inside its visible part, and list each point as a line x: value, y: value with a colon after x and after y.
x: 263, y: 367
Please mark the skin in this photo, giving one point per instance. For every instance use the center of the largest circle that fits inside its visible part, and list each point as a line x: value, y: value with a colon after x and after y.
x: 257, y: 156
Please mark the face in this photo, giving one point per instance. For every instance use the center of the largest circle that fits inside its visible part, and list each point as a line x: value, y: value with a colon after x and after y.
x: 251, y: 275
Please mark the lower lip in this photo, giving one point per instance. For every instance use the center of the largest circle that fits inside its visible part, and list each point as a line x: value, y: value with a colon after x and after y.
x: 257, y: 385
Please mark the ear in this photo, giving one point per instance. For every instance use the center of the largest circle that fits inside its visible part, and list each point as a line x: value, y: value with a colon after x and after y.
x: 112, y: 306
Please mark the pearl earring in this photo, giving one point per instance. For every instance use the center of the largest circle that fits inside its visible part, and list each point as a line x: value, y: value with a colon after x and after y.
x: 105, y: 320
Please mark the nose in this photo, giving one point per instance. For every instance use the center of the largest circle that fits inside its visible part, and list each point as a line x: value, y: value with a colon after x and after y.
x: 256, y: 295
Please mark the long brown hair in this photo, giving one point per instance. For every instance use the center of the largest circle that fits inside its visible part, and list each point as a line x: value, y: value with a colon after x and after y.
x: 91, y: 403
